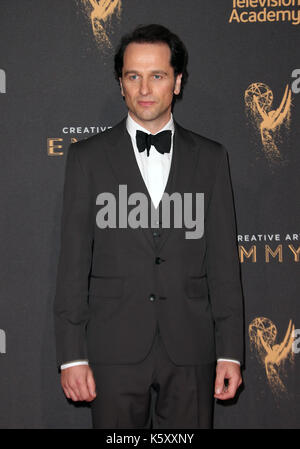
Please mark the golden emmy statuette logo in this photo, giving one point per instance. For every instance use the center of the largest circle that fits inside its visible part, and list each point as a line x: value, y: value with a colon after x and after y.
x: 268, y: 121
x: 263, y: 334
x: 100, y: 14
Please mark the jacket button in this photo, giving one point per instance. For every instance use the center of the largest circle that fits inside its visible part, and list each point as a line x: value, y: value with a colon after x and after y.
x: 158, y: 260
x: 152, y: 297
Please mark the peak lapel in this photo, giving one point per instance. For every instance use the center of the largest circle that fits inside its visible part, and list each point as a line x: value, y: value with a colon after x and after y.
x: 182, y: 170
x: 126, y: 170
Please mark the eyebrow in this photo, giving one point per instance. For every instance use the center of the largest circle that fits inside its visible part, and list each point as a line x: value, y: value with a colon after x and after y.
x: 152, y: 71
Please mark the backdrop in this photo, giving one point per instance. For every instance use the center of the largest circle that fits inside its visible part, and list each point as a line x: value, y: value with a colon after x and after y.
x: 57, y: 85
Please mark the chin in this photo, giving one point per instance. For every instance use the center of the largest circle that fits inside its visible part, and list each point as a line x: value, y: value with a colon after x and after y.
x: 148, y: 115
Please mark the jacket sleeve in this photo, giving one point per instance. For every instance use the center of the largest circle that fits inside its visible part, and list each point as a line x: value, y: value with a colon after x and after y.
x: 223, y: 267
x: 71, y: 311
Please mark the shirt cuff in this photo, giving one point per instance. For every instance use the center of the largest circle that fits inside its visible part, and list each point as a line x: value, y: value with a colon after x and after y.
x: 78, y: 362
x: 229, y: 360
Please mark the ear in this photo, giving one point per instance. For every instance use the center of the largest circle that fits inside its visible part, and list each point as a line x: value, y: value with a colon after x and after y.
x: 177, y: 86
x: 121, y: 87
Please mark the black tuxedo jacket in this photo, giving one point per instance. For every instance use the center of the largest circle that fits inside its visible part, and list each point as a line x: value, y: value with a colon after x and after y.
x: 115, y: 285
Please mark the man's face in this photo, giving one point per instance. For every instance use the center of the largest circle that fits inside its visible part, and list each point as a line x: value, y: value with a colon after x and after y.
x: 148, y: 82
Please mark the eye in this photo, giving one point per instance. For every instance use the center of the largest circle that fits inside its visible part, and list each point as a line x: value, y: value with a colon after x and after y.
x: 157, y: 77
x: 133, y: 77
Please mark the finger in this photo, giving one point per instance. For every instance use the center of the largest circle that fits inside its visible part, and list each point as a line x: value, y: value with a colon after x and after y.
x: 73, y: 394
x: 232, y: 387
x: 74, y: 389
x: 219, y: 382
x: 91, y: 385
x: 229, y: 391
x: 225, y: 395
x: 67, y: 393
x: 66, y: 389
x: 81, y: 388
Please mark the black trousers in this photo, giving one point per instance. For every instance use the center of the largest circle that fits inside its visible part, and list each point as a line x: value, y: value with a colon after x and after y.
x: 153, y: 394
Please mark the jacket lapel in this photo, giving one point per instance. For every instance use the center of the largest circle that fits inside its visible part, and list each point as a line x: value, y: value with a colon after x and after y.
x: 182, y: 170
x: 126, y: 170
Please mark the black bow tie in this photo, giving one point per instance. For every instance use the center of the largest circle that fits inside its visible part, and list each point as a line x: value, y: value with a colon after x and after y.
x: 161, y: 141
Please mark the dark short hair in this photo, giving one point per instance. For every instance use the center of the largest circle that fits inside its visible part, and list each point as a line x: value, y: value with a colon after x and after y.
x: 155, y: 33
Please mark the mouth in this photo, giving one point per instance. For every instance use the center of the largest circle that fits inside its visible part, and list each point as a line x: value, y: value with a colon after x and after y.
x: 146, y: 104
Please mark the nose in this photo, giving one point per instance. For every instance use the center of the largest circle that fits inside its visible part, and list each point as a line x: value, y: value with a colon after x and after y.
x: 144, y: 87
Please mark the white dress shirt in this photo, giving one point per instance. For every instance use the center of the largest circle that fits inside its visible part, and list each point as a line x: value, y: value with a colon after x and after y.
x: 155, y: 170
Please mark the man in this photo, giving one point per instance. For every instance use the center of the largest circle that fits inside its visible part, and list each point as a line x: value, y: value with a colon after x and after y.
x: 146, y: 309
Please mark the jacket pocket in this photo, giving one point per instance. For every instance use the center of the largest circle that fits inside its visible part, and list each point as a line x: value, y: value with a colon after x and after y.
x: 106, y: 286
x: 196, y: 287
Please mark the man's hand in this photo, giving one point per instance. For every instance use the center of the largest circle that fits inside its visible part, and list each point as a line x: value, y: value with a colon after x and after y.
x: 78, y: 383
x: 232, y: 372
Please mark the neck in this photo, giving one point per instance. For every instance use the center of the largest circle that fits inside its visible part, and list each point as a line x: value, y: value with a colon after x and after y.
x: 153, y: 126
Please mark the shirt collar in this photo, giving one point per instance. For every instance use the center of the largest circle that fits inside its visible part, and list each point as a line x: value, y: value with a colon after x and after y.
x: 132, y: 126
